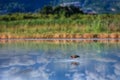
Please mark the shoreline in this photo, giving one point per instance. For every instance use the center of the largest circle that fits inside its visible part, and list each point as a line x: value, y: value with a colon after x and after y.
x: 62, y: 36
x: 57, y: 41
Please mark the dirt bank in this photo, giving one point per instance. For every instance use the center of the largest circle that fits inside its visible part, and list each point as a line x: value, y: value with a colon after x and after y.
x: 85, y: 36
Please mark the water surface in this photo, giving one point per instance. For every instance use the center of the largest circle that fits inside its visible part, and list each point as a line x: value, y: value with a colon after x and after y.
x: 47, y: 60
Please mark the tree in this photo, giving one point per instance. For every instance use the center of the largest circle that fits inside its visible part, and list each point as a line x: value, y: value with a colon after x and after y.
x: 47, y: 10
x: 67, y: 10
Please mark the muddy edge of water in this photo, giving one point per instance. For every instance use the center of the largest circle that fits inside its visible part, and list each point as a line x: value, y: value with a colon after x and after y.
x: 57, y: 41
x: 47, y: 36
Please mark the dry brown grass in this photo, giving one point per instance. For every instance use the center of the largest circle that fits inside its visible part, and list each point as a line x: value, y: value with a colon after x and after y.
x: 113, y: 35
x: 103, y: 35
x: 88, y: 35
x: 61, y: 35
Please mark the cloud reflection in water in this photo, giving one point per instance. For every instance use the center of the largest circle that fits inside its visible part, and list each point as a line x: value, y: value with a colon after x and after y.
x: 38, y: 64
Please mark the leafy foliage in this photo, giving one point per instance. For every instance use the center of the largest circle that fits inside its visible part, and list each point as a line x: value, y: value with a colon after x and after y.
x: 47, y: 10
x: 61, y: 10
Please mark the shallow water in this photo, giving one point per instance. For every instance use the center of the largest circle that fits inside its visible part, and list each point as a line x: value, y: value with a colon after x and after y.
x: 47, y: 60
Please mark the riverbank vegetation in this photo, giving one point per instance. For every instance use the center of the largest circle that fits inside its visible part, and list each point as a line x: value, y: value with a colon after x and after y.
x: 59, y: 23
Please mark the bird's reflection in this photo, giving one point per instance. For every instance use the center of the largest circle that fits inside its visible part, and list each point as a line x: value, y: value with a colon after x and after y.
x: 74, y: 62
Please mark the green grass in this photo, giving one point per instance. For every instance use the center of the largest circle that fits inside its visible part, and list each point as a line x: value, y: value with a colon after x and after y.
x: 29, y: 24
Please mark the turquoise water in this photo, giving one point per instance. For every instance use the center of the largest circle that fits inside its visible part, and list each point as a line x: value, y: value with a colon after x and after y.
x: 43, y: 60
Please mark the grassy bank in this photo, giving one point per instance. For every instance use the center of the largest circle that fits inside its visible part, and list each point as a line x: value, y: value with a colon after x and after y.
x: 56, y: 26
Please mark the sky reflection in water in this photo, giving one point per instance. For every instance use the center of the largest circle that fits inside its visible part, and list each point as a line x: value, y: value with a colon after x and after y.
x: 31, y: 60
